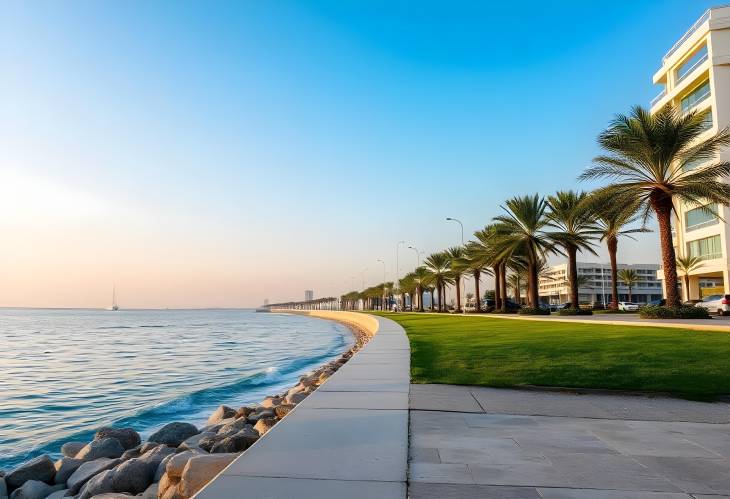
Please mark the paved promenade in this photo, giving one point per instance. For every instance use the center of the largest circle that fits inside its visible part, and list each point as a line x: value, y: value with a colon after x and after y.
x: 469, y: 443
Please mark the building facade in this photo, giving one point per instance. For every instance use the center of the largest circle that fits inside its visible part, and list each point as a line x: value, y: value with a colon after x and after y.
x: 695, y: 74
x: 595, y: 284
x: 308, y: 295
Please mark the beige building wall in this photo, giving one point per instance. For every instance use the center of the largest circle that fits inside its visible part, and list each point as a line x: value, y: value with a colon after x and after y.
x: 695, y: 74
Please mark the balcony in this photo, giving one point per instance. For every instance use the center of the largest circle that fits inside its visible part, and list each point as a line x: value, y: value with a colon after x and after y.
x: 691, y: 31
x: 659, y: 97
x: 694, y: 99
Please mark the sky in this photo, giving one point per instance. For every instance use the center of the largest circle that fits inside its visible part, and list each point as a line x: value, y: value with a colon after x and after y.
x: 214, y: 154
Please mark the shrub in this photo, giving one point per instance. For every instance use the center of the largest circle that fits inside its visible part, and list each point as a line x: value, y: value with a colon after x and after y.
x: 682, y: 312
x: 533, y: 311
x: 575, y: 311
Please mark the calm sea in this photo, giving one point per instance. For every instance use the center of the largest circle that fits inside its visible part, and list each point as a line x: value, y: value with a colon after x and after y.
x: 64, y: 373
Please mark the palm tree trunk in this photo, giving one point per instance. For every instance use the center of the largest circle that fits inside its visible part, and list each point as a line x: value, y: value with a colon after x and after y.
x: 478, y: 304
x: 573, y: 275
x: 533, y: 293
x: 432, y: 300
x: 503, y: 285
x: 663, y: 209
x: 419, y: 290
x: 458, y: 295
x: 518, y: 298
x: 497, y: 289
x: 686, y: 285
x: 612, y: 244
x: 630, y: 293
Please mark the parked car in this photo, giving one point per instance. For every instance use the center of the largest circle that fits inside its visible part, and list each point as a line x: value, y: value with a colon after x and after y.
x: 716, y: 303
x: 598, y: 305
x: 658, y: 303
x: 628, y: 306
x: 511, y: 306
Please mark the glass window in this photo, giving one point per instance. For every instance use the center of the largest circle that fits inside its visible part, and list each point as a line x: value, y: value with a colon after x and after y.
x: 691, y: 63
x: 696, y: 96
x: 700, y: 217
x: 707, y: 248
x: 707, y: 121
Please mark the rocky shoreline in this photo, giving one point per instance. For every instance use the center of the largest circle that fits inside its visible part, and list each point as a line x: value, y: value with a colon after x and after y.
x: 174, y: 463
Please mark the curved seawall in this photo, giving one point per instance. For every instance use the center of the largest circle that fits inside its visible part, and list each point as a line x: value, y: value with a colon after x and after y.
x: 348, y: 439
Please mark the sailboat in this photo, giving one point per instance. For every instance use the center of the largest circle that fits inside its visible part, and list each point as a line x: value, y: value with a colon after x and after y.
x: 114, y: 306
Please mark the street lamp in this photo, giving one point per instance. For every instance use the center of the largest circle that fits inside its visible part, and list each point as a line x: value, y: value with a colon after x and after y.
x: 418, y: 255
x: 463, y: 281
x: 462, y: 227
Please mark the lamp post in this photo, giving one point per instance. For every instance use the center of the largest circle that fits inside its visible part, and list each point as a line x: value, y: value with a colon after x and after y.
x: 418, y: 255
x: 397, y: 268
x: 463, y: 280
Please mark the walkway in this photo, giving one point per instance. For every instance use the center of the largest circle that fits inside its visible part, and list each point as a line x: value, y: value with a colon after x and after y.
x: 349, y: 439
x: 487, y: 443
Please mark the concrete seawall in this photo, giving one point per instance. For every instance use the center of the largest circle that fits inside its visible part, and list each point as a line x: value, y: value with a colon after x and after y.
x: 348, y: 439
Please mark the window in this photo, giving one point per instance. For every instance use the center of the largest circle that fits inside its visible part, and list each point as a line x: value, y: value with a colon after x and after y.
x: 692, y: 63
x: 706, y: 249
x: 707, y: 122
x: 688, y: 167
x: 700, y: 217
x: 696, y: 96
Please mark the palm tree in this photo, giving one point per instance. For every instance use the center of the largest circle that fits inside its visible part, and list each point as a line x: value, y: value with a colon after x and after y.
x: 612, y: 219
x: 421, y: 276
x: 457, y: 268
x: 571, y: 214
x: 477, y: 255
x: 646, y: 159
x: 438, y: 265
x: 630, y: 279
x: 687, y: 265
x: 522, y: 231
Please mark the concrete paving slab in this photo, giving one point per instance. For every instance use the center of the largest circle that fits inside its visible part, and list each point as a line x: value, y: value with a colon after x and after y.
x: 343, y: 384
x: 286, y: 488
x: 439, y: 473
x: 692, y: 475
x: 443, y: 398
x: 559, y: 493
x: 321, y: 399
x: 464, y: 491
x: 375, y: 371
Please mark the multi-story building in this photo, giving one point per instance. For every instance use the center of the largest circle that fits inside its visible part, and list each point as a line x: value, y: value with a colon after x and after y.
x: 594, y: 281
x: 695, y: 74
x: 308, y: 295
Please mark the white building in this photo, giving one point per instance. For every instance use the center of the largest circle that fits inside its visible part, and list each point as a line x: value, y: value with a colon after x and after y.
x: 308, y: 295
x: 595, y: 279
x: 695, y: 74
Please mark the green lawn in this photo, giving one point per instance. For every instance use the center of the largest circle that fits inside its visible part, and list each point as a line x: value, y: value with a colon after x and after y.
x: 501, y: 352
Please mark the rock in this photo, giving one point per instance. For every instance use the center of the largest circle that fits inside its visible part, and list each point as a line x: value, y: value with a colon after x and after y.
x: 177, y: 463
x: 88, y: 470
x: 99, y: 484
x: 41, y: 469
x: 59, y: 494
x: 126, y: 436
x: 243, y: 412
x: 164, y: 484
x: 148, y: 446
x: 264, y: 424
x: 200, y: 470
x: 296, y: 389
x: 193, y: 443
x: 232, y: 428
x: 65, y: 468
x: 3, y: 487
x: 129, y: 454
x: 34, y: 489
x: 269, y: 402
x: 151, y: 492
x: 154, y: 457
x: 223, y: 412
x: 112, y: 495
x: 132, y: 476
x: 106, y: 447
x: 236, y: 443
x: 70, y: 449
x: 162, y: 467
x: 173, y: 434
x: 283, y: 409
x: 172, y: 492
x: 207, y: 443
x: 295, y: 398
x: 261, y: 413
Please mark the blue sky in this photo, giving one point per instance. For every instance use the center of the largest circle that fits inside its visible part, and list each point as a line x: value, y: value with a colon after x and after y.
x: 213, y: 154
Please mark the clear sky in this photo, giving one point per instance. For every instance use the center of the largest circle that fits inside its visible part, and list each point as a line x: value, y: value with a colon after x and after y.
x: 215, y: 154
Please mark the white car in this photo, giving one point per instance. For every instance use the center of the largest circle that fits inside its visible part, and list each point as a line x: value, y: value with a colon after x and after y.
x: 716, y: 303
x: 627, y: 306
